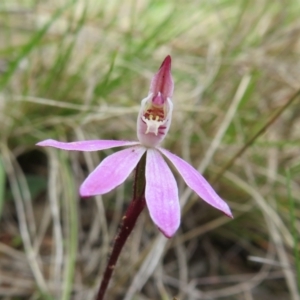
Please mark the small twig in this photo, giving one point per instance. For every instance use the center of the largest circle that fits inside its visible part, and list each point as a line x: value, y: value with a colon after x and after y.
x: 255, y: 136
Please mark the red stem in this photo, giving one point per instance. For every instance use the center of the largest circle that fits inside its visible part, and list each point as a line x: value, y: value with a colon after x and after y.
x: 135, y: 208
x: 129, y: 221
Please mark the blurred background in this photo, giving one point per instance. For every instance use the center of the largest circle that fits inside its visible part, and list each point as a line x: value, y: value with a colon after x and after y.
x: 76, y: 70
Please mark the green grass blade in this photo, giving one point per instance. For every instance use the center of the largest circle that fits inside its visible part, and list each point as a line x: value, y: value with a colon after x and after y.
x: 31, y: 45
x: 292, y: 209
x: 70, y: 205
x: 2, y: 186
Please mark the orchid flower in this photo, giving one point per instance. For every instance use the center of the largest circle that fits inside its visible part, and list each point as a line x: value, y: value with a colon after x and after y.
x: 161, y: 191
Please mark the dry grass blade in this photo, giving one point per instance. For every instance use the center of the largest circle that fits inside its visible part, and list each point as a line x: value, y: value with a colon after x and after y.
x: 32, y: 256
x: 257, y: 135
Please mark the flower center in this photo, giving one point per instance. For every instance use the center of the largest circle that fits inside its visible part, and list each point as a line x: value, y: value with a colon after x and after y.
x: 154, y: 117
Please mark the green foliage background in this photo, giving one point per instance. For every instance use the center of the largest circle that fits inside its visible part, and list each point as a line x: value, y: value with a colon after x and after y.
x: 74, y: 70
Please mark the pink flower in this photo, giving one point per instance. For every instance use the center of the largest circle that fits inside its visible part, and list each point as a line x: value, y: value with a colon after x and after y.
x: 161, y: 192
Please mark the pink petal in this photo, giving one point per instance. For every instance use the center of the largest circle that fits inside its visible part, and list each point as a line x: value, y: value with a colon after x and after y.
x: 111, y: 172
x: 197, y: 183
x: 162, y: 194
x: 92, y: 145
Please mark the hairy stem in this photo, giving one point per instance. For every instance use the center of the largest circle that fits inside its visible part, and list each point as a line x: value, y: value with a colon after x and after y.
x: 128, y: 221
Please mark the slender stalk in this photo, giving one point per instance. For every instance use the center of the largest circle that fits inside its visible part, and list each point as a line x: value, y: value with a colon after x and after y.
x: 135, y: 208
